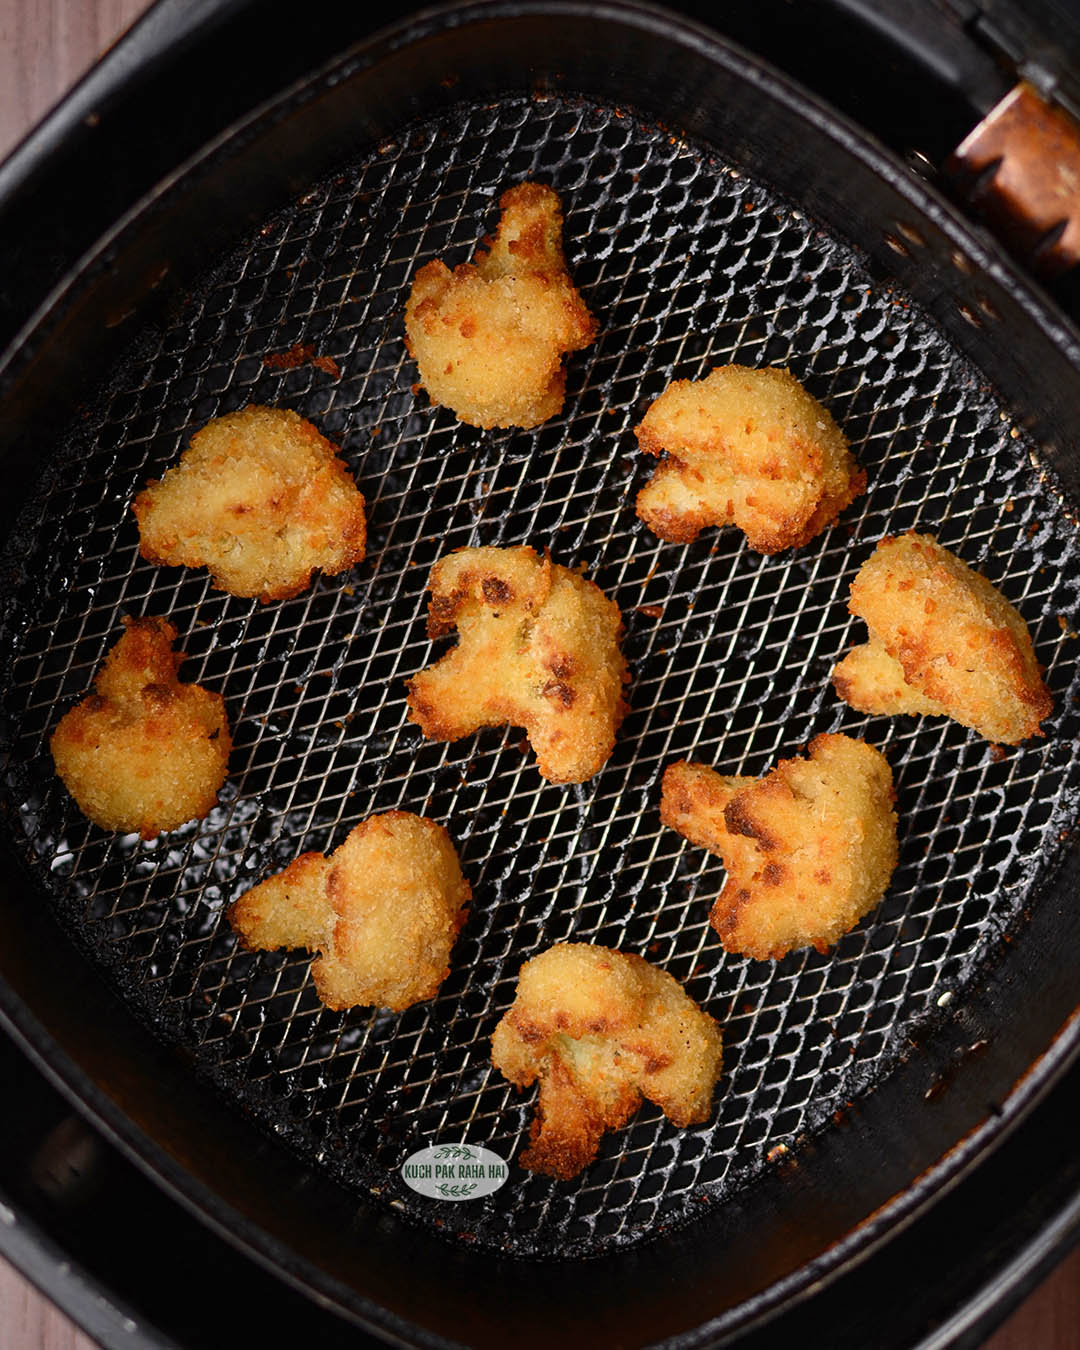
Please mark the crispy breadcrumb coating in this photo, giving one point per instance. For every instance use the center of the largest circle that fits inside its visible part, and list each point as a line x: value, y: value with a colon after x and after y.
x: 944, y: 642
x: 602, y: 1030
x: 144, y: 752
x: 489, y: 337
x: 809, y: 848
x: 383, y: 911
x: 261, y: 499
x: 745, y: 447
x: 538, y: 647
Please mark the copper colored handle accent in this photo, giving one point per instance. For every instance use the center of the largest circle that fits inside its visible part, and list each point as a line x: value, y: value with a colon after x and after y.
x: 1020, y: 168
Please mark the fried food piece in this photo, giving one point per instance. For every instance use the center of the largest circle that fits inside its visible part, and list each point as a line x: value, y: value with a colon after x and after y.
x: 489, y: 337
x: 943, y: 642
x: 745, y: 447
x: 144, y: 752
x: 261, y: 499
x: 383, y: 911
x: 602, y: 1030
x: 538, y: 648
x: 809, y: 848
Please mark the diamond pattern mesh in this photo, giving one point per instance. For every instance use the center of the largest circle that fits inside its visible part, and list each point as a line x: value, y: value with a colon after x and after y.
x: 688, y: 265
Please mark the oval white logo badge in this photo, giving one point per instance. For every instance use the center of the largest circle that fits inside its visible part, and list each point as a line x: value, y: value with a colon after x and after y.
x: 454, y: 1171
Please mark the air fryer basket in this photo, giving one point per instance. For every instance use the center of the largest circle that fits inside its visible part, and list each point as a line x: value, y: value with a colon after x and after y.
x: 693, y: 248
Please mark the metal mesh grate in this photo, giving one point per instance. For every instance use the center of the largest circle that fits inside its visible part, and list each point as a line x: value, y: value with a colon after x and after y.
x: 688, y: 265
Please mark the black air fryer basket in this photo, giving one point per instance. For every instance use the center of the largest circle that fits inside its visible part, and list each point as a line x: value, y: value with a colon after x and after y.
x: 715, y: 212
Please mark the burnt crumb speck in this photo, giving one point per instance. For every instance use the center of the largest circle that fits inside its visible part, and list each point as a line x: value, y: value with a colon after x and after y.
x: 496, y: 591
x: 302, y: 354
x: 559, y: 690
x: 442, y: 611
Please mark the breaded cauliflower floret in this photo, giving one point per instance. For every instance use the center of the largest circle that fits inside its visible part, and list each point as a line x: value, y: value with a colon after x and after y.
x: 489, y: 337
x: 602, y: 1030
x: 809, y: 848
x: 383, y: 911
x: 943, y: 641
x: 538, y: 647
x: 261, y: 499
x: 745, y: 447
x: 144, y: 752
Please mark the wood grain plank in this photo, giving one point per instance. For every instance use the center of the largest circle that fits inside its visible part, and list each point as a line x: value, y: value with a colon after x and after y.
x: 45, y: 46
x: 30, y: 1322
x: 1050, y: 1317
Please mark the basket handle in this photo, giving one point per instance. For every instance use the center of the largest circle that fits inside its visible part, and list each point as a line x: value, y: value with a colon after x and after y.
x: 1017, y: 66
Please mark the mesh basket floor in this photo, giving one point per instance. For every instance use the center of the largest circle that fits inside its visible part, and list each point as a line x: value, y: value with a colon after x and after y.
x: 687, y: 265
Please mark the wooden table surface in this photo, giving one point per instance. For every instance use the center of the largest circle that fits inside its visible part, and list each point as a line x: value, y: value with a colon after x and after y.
x: 45, y: 45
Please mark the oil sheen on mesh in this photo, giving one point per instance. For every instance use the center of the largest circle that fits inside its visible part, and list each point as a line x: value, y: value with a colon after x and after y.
x: 687, y: 265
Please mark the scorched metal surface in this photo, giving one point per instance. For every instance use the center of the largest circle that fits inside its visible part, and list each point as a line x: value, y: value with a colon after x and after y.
x: 689, y: 265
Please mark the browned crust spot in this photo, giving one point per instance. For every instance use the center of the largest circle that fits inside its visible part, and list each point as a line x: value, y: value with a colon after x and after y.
x: 497, y: 591
x: 739, y: 820
x: 562, y: 693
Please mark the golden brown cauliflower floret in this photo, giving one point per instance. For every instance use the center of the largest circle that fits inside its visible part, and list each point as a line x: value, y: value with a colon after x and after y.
x: 144, y: 752
x: 809, y: 848
x: 489, y: 337
x: 261, y: 499
x: 943, y: 641
x: 383, y: 911
x: 745, y: 447
x: 538, y: 647
x: 602, y: 1030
